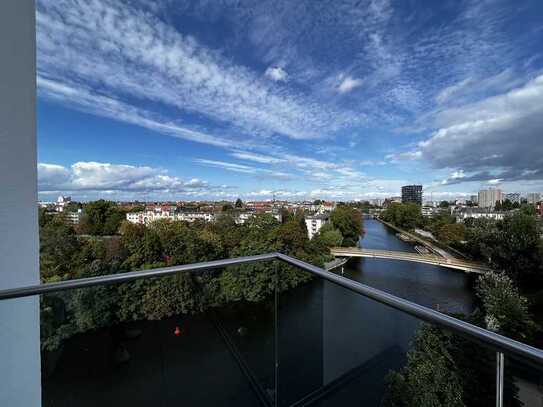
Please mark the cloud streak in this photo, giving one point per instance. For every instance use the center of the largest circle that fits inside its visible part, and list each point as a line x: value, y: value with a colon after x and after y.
x: 135, y: 57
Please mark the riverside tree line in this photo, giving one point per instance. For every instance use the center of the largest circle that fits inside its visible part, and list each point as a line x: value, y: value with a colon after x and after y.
x: 444, y: 369
x: 106, y: 244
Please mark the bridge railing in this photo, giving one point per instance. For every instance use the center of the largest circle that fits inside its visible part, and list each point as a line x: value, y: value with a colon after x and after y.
x: 261, y: 330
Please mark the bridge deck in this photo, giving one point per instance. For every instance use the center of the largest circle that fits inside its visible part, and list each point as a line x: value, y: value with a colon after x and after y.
x: 457, y: 264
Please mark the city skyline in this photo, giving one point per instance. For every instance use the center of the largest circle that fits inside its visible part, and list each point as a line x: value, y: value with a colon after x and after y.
x: 201, y: 101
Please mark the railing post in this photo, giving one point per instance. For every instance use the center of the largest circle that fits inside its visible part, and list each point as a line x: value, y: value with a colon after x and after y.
x: 276, y: 330
x: 499, y: 379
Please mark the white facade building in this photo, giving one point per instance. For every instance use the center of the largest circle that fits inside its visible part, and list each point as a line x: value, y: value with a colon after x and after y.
x: 194, y: 216
x: 146, y: 217
x: 62, y: 201
x: 314, y: 223
x: 479, y: 213
x: 488, y: 197
x: 73, y: 217
x: 533, y: 197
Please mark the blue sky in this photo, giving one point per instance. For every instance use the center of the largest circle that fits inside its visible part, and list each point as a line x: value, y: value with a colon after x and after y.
x: 341, y: 100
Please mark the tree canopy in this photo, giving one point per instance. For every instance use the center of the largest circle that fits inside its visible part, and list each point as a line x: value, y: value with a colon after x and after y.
x: 101, y: 218
x: 403, y: 215
x: 64, y: 254
x: 348, y: 221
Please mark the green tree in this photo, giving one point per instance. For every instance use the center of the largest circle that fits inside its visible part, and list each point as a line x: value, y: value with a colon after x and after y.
x: 101, y: 218
x: 452, y: 233
x: 349, y: 222
x: 239, y: 203
x: 329, y: 236
x: 506, y: 311
x: 59, y: 249
x: 517, y: 247
x: 430, y: 377
x: 407, y: 216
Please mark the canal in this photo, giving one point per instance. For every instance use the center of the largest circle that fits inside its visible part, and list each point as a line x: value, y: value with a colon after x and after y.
x: 331, y: 347
x: 355, y: 341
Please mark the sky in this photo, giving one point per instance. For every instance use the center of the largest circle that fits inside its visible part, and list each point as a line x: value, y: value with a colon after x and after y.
x: 342, y: 100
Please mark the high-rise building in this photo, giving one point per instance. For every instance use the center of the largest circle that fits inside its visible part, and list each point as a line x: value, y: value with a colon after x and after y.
x: 488, y: 197
x: 514, y: 197
x: 474, y: 199
x: 533, y: 197
x: 412, y: 193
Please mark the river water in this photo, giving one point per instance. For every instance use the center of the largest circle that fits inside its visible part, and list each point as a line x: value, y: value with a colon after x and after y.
x: 331, y: 346
x: 354, y: 341
x: 431, y: 286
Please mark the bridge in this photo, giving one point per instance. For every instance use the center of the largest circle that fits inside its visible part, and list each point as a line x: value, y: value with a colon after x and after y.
x: 453, y: 263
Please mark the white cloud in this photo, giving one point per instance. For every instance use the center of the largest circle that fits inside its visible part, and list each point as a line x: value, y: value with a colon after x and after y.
x: 227, y: 166
x: 82, y: 98
x: 348, y: 84
x: 276, y: 73
x: 113, y: 178
x: 124, y: 53
x: 246, y: 169
x: 259, y: 158
x: 502, y: 132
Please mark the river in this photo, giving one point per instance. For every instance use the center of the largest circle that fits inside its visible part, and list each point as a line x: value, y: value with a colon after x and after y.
x: 332, y: 346
x: 355, y: 341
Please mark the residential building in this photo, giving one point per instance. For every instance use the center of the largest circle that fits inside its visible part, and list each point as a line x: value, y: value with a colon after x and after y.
x: 478, y: 213
x: 147, y: 216
x: 428, y: 211
x: 62, y: 201
x: 243, y: 217
x: 314, y: 223
x: 194, y: 216
x: 513, y: 197
x: 412, y: 194
x: 533, y: 197
x: 487, y: 198
x: 72, y: 218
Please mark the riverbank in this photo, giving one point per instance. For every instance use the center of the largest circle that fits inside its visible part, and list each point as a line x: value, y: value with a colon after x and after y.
x: 429, y: 245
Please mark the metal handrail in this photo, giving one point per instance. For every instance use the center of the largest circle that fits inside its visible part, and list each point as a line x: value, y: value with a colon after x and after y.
x: 494, y: 340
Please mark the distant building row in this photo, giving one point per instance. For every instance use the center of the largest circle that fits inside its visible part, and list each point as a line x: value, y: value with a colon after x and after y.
x: 487, y: 198
x: 148, y: 216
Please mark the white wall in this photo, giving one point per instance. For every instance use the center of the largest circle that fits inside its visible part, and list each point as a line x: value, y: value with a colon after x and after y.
x: 19, y: 319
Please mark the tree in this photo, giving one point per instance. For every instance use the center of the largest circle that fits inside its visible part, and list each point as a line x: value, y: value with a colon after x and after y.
x: 329, y: 236
x: 430, y: 377
x: 349, y: 222
x: 444, y: 204
x: 506, y: 311
x: 518, y: 247
x: 452, y: 233
x: 407, y: 216
x: 227, y: 208
x: 239, y: 203
x: 101, y: 218
x: 59, y: 249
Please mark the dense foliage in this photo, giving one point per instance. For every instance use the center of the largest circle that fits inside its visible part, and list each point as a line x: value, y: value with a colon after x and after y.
x: 163, y: 243
x: 444, y: 369
x: 512, y: 245
x: 430, y: 377
x: 348, y: 221
x: 407, y: 216
x: 506, y: 311
x: 101, y: 218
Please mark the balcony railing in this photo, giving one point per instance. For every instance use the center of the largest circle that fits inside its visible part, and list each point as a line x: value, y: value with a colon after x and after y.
x: 329, y: 341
